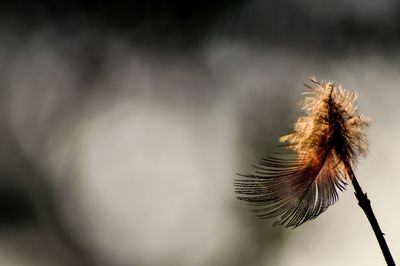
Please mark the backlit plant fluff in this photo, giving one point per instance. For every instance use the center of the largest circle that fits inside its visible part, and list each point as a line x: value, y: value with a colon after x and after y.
x: 300, y: 183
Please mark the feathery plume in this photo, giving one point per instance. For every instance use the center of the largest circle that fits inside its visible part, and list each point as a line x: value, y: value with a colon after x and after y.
x: 302, y: 182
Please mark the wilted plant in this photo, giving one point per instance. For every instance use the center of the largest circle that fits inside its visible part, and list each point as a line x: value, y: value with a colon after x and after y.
x: 301, y: 182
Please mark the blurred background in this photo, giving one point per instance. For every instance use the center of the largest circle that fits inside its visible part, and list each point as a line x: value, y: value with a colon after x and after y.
x: 123, y: 123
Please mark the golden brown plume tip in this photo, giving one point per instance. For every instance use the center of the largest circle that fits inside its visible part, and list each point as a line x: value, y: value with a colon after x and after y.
x: 300, y: 183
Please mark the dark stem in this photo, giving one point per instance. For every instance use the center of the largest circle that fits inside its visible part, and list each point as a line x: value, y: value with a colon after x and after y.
x: 365, y: 204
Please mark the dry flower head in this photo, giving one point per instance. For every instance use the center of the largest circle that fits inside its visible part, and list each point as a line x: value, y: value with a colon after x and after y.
x: 302, y: 182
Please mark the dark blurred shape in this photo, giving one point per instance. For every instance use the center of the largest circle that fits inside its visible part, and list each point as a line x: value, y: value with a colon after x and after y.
x: 121, y: 13
x: 152, y: 20
x: 180, y: 24
x: 295, y: 25
x: 16, y: 207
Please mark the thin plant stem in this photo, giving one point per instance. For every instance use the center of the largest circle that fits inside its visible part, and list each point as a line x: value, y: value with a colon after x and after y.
x: 365, y: 205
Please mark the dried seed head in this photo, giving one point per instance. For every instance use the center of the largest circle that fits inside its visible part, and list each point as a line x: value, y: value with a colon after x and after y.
x: 301, y: 183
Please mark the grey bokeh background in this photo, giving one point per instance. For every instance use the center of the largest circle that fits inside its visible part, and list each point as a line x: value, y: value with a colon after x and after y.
x: 123, y: 125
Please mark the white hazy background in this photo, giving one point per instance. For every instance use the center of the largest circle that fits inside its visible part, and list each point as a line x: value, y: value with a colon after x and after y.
x: 140, y: 149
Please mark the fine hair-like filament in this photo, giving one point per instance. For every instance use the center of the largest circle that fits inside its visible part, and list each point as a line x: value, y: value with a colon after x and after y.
x: 301, y: 182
